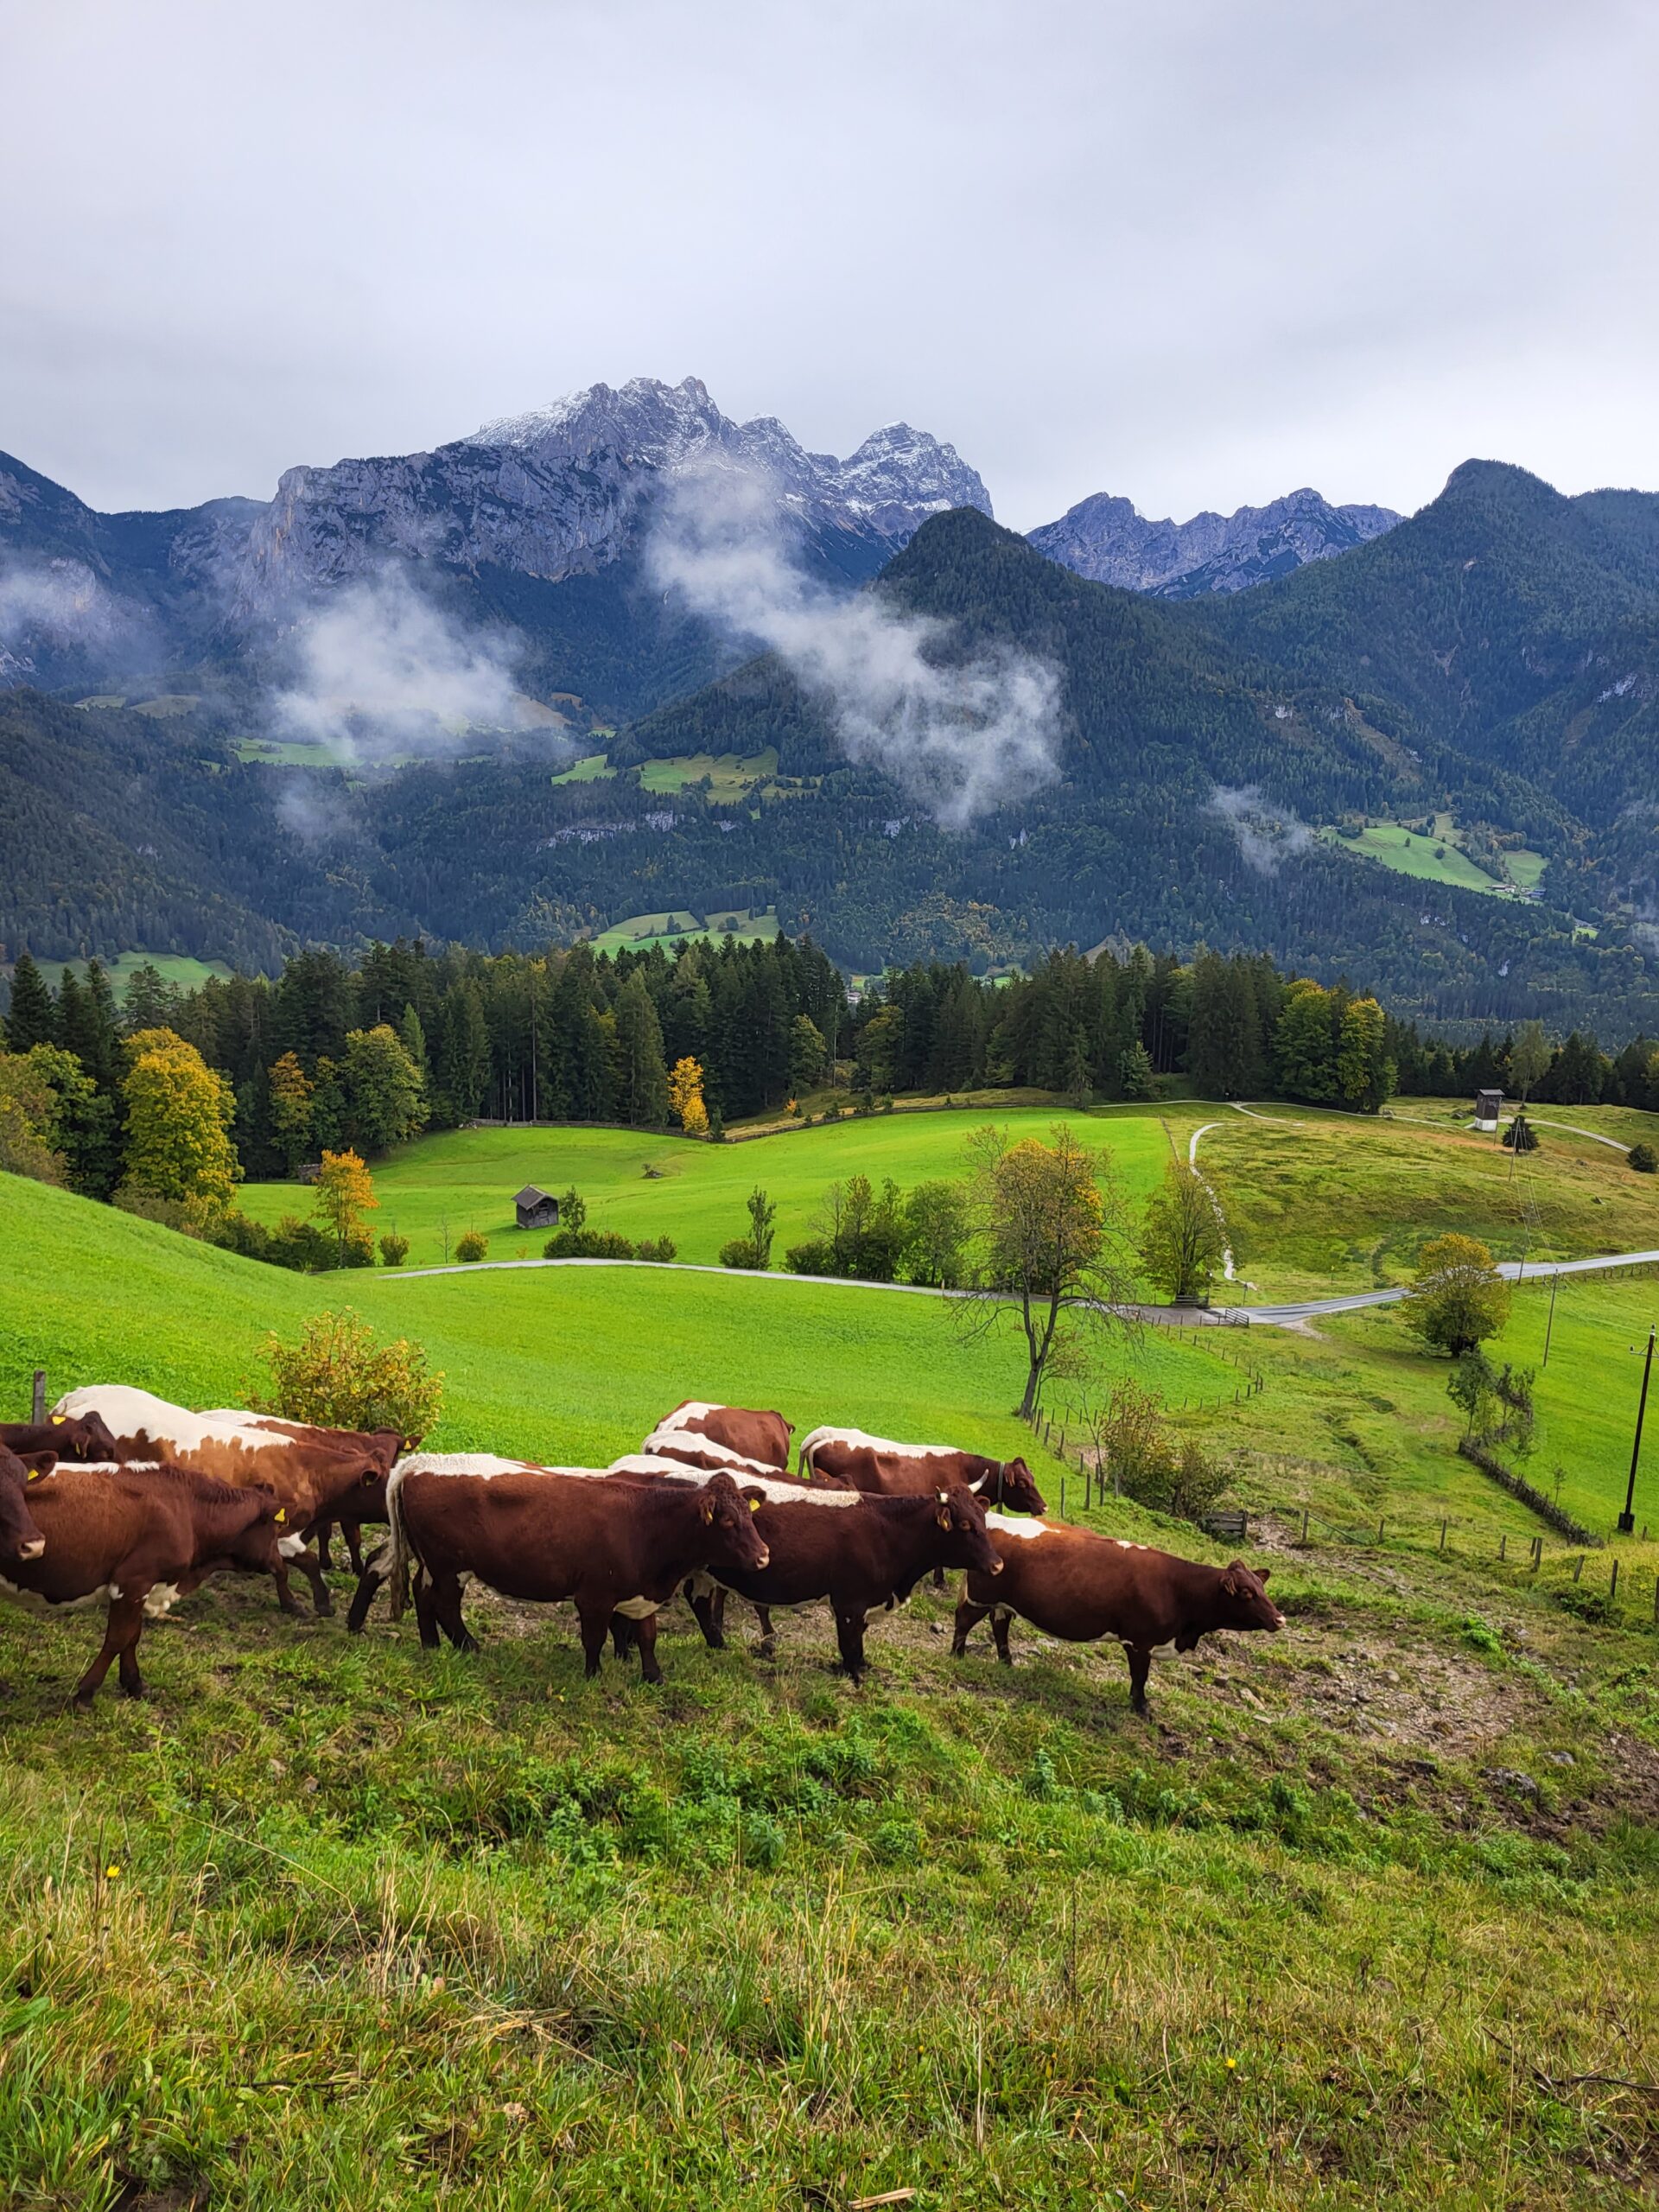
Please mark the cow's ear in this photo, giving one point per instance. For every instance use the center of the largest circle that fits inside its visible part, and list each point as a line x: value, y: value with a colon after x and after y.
x: 1230, y: 1583
x: 942, y: 1511
x: 1262, y: 1572
x: 706, y: 1507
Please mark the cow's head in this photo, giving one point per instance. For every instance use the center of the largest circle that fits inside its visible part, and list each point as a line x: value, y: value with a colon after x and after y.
x: 256, y: 1521
x: 1244, y: 1600
x: 734, y: 1532
x: 1015, y: 1487
x: 84, y: 1437
x: 20, y: 1536
x: 964, y: 1539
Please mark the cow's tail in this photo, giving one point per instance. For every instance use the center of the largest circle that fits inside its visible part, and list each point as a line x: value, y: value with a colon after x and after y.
x: 804, y: 1466
x: 393, y: 1556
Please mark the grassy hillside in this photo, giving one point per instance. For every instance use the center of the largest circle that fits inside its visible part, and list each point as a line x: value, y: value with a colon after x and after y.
x: 697, y: 1194
x: 1364, y: 1917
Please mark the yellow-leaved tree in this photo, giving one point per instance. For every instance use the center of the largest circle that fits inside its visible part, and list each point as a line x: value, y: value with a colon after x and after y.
x: 344, y: 1193
x: 179, y: 1117
x: 685, y: 1096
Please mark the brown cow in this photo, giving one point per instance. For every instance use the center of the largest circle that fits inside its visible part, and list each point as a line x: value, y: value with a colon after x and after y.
x: 890, y: 1469
x: 312, y: 1477
x: 870, y: 1554
x: 366, y: 1503
x: 1072, y: 1583
x: 143, y: 1537
x: 80, y: 1437
x: 763, y: 1437
x: 20, y: 1534
x: 613, y: 1545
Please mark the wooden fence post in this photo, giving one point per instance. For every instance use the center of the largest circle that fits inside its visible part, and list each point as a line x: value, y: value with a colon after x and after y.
x: 1379, y: 1532
x: 1502, y: 1547
x: 1304, y: 1524
x: 1442, y: 1535
x: 1577, y: 1567
x: 37, y: 1403
x: 1612, y: 1587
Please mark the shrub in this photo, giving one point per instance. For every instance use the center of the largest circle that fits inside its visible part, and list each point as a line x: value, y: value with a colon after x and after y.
x: 471, y: 1247
x: 138, y: 1199
x: 816, y: 1257
x: 338, y: 1375
x: 1644, y: 1159
x: 660, y: 1248
x: 588, y: 1245
x: 1520, y: 1137
x: 741, y: 1252
x: 237, y: 1232
x: 303, y: 1246
x: 394, y: 1249
x: 357, y: 1251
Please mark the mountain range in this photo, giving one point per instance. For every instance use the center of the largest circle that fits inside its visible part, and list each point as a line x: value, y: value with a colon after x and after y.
x: 1201, y: 757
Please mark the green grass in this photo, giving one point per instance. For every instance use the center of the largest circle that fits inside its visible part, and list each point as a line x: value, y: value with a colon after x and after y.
x: 1408, y: 853
x: 179, y: 968
x: 1364, y: 1917
x: 731, y: 777
x: 697, y: 1195
x: 593, y: 768
x: 294, y: 752
x: 679, y: 925
x: 1524, y: 869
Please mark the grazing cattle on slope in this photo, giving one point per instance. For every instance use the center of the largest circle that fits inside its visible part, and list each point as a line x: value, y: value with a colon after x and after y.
x: 762, y: 1436
x: 691, y: 1450
x: 876, y: 1464
x: 366, y: 1503
x: 143, y: 1538
x: 611, y: 1545
x: 20, y: 1533
x: 1072, y: 1583
x: 312, y: 1479
x: 872, y: 1555
x: 80, y: 1437
x: 376, y: 1571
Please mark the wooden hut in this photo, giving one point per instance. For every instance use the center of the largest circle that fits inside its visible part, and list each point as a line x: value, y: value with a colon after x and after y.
x: 1489, y: 1107
x: 537, y: 1209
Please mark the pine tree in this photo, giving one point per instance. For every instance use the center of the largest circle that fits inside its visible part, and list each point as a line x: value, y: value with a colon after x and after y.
x: 31, y: 1019
x: 643, y: 1078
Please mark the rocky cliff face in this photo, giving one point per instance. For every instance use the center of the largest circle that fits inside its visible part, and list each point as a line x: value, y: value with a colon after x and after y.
x: 558, y: 492
x: 1104, y: 538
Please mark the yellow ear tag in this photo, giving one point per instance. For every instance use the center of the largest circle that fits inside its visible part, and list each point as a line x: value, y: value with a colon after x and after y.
x: 281, y: 1514
x: 755, y: 1505
x: 34, y: 1474
x: 57, y: 1420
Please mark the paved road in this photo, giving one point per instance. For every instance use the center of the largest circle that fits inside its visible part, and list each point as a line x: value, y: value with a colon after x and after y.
x: 1310, y: 1309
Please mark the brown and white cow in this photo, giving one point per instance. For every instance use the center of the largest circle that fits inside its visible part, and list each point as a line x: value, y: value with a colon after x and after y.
x: 312, y: 1477
x: 870, y: 1555
x: 365, y: 1503
x: 761, y: 1436
x: 1072, y: 1583
x: 21, y: 1539
x: 80, y: 1437
x: 611, y: 1545
x: 140, y: 1538
x: 886, y: 1469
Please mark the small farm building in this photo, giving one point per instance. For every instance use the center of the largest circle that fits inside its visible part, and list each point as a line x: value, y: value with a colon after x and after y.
x: 1489, y: 1104
x: 537, y: 1209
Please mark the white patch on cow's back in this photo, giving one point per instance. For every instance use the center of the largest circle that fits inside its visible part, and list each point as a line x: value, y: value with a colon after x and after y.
x: 667, y: 1439
x: 33, y: 1602
x: 1025, y: 1528
x: 1124, y: 1544
x: 858, y: 1440
x: 693, y: 1409
x: 776, y: 1493
x: 126, y: 1411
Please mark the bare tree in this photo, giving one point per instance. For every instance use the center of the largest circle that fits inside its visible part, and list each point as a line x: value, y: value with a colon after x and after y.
x: 1049, y: 1237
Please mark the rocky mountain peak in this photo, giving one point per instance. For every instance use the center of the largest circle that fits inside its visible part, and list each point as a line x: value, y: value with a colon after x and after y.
x: 1105, y: 537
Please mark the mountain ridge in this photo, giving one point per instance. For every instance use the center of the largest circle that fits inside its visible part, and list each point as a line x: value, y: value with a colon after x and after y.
x: 1105, y: 539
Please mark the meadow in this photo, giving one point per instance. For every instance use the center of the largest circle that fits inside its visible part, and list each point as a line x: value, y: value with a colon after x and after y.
x: 179, y: 968
x: 1364, y: 1914
x: 1439, y: 858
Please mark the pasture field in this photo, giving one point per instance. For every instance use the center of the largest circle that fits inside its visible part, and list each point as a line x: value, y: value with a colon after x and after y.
x: 468, y: 1176
x: 1364, y: 1915
x: 674, y: 928
x: 1441, y: 858
x: 179, y: 968
x: 591, y: 768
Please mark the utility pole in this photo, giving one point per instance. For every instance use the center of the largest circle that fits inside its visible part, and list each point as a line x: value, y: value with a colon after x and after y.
x: 1627, y: 1518
x: 1555, y: 1285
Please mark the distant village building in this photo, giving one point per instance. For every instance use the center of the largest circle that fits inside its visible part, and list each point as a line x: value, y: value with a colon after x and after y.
x: 1489, y: 1105
x: 537, y: 1209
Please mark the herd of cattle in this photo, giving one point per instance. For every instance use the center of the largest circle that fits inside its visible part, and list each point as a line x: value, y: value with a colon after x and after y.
x: 120, y: 1498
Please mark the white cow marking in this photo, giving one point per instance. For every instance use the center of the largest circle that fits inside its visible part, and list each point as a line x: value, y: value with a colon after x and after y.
x: 1027, y: 1528
x: 776, y: 1493
x: 859, y: 1441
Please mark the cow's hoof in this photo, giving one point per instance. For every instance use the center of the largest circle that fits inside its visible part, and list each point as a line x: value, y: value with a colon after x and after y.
x: 325, y: 1606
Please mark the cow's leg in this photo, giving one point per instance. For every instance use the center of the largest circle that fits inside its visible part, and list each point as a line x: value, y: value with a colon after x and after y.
x: 319, y: 1536
x: 368, y: 1582
x: 720, y: 1613
x: 286, y: 1601
x: 849, y: 1634
x: 938, y: 1578
x: 968, y: 1616
x: 623, y: 1628
x: 644, y: 1634
x: 705, y: 1605
x: 594, y: 1625
x: 446, y: 1606
x: 426, y: 1616
x: 353, y: 1532
x: 1139, y: 1658
x: 122, y: 1630
x: 321, y: 1597
x: 768, y: 1643
x: 1001, y: 1621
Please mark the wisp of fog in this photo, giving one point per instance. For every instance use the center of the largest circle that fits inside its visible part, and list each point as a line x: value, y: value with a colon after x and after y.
x: 381, y: 669
x: 962, y: 735
x: 1266, y: 833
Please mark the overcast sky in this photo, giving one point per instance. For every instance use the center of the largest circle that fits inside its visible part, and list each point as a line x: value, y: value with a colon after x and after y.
x: 1197, y: 252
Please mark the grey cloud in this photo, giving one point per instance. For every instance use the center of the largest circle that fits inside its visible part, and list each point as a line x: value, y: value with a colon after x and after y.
x: 1267, y: 835
x: 961, y: 736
